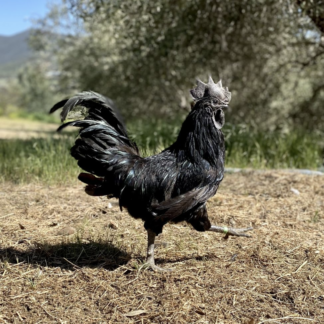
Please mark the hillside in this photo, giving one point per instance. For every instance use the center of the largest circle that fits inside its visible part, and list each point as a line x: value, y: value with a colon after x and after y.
x: 14, y: 52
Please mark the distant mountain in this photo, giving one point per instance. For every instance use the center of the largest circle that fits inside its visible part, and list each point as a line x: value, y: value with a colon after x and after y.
x: 14, y: 52
x: 14, y: 48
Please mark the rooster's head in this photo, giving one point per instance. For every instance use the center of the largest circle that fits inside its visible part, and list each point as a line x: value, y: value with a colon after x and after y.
x: 214, y: 96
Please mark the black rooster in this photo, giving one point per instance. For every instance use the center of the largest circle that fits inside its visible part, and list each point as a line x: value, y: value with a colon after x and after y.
x: 172, y: 186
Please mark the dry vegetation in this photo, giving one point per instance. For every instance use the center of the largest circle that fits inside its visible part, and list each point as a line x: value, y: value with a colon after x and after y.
x: 66, y: 257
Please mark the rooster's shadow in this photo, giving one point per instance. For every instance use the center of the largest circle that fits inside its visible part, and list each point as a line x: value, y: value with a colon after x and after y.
x: 67, y: 255
x: 73, y: 256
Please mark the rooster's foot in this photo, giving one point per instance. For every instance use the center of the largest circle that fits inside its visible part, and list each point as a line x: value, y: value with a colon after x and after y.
x: 231, y: 231
x: 152, y: 266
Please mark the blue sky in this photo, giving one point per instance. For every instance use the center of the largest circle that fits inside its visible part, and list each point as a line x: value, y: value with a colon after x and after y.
x: 16, y: 15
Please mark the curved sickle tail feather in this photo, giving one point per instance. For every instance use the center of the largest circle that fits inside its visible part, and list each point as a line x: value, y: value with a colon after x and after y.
x: 103, y: 147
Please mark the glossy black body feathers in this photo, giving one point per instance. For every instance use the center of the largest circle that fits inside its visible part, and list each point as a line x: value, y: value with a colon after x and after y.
x: 173, y: 185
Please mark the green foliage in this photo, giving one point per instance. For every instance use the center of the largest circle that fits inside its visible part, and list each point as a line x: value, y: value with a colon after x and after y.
x: 146, y: 55
x: 9, y: 93
x: 36, y: 93
x: 49, y: 161
x: 11, y: 69
x: 31, y: 95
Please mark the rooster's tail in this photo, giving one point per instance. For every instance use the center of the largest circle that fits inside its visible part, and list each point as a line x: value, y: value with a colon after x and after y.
x: 103, y: 147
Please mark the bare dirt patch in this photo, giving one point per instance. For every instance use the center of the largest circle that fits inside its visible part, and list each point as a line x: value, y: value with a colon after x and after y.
x: 61, y: 260
x: 24, y: 129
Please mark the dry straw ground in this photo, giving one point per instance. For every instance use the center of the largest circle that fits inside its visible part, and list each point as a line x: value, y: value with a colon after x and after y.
x: 95, y: 274
x: 23, y: 129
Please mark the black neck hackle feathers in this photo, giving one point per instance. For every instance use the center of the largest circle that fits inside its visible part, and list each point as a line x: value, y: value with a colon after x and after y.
x: 171, y: 186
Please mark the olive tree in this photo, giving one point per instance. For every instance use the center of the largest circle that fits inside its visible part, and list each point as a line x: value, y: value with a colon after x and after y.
x: 146, y: 55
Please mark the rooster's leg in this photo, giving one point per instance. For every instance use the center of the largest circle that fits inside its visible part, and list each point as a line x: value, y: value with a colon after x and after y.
x: 150, y: 252
x: 231, y: 231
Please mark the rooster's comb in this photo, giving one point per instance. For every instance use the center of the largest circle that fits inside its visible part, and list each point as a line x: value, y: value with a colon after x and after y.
x: 211, y: 89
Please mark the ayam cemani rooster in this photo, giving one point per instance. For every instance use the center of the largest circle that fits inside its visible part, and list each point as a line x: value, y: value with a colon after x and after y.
x: 172, y: 186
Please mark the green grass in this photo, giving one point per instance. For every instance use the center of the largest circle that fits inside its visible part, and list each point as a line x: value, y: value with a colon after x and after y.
x: 297, y: 149
x: 35, y: 160
x: 49, y: 161
x: 152, y: 136
x: 244, y: 147
x: 33, y: 116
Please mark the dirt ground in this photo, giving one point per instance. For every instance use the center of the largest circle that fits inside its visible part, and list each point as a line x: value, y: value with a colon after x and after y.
x: 66, y: 257
x: 24, y: 129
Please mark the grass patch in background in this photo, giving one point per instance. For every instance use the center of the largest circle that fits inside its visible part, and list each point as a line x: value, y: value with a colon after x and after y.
x: 33, y: 116
x: 43, y: 159
x: 152, y: 136
x: 48, y: 159
x: 244, y: 147
x: 249, y: 148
